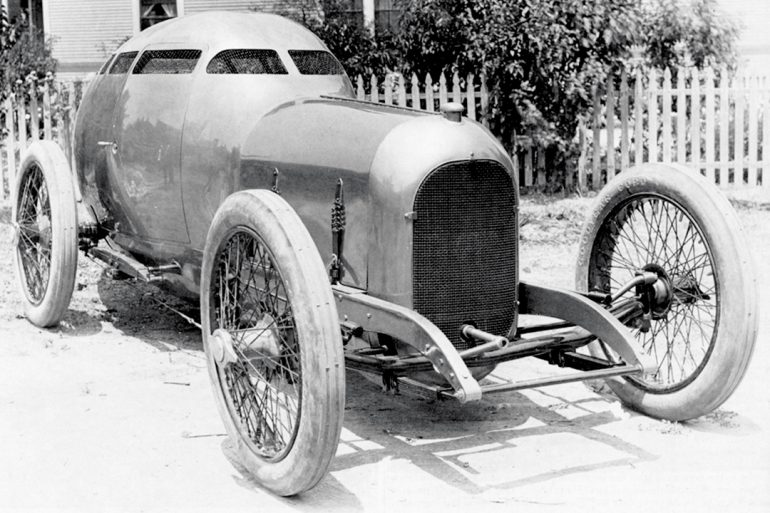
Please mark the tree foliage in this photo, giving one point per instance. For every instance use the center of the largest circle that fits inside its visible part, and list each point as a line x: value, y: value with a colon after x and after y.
x: 23, y: 51
x: 542, y: 58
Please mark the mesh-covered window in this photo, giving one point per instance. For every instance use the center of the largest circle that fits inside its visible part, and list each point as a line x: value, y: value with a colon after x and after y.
x: 316, y: 62
x: 122, y: 63
x: 247, y: 62
x: 167, y: 62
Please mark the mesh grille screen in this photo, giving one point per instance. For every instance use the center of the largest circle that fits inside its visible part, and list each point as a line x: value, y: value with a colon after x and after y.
x: 246, y: 62
x: 315, y: 62
x: 122, y: 63
x: 465, y: 248
x: 167, y: 62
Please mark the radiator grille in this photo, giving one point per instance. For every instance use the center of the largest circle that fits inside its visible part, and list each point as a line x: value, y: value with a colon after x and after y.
x: 465, y: 248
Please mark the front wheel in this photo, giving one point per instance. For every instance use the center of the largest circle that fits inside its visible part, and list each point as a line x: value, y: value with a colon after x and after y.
x: 668, y: 220
x: 272, y: 341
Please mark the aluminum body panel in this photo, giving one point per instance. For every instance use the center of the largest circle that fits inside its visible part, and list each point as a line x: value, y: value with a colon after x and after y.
x: 185, y: 142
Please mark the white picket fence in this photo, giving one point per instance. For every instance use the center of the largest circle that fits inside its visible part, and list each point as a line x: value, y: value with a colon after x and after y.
x: 703, y: 119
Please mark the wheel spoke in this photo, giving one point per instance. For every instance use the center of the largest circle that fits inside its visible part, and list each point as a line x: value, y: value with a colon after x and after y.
x: 251, y: 303
x: 651, y: 230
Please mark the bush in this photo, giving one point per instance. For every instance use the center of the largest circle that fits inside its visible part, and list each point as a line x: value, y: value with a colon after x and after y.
x: 23, y: 51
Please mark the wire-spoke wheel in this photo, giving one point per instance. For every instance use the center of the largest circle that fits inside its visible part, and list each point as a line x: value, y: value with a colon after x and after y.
x: 45, y: 238
x: 700, y: 329
x: 272, y: 341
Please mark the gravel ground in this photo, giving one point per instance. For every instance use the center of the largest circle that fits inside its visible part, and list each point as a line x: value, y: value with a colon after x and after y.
x: 112, y: 411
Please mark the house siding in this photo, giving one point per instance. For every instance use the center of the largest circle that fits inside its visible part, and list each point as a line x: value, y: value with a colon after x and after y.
x: 86, y: 33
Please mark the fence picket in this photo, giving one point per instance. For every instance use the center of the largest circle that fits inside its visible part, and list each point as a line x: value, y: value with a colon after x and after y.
x: 415, y: 92
x: 360, y: 93
x: 624, y: 158
x: 610, y: 117
x: 442, y: 92
x: 429, y: 100
x: 738, y: 141
x: 666, y: 119
x: 374, y: 91
x: 724, y: 128
x: 753, y: 158
x: 681, y: 117
x: 34, y: 120
x: 596, y: 160
x: 47, y: 125
x: 652, y: 118
x: 470, y: 94
x: 484, y: 100
x: 766, y: 143
x: 10, y: 141
x: 709, y: 94
x: 401, y: 91
x: 695, y: 115
x: 388, y: 86
x: 457, y: 95
x: 21, y: 120
x: 638, y: 119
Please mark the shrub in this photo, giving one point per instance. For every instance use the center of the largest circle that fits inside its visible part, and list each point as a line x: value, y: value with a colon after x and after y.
x: 23, y: 51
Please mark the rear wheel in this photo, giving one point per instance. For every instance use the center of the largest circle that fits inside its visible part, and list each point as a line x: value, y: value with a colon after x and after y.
x: 272, y: 340
x: 700, y: 330
x: 45, y: 218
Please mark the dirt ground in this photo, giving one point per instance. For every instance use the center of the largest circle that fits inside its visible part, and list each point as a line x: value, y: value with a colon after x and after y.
x: 112, y: 411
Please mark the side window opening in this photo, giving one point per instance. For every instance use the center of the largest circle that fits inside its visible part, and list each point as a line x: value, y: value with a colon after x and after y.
x: 106, y: 65
x: 167, y: 62
x: 316, y: 62
x: 122, y: 63
x: 246, y: 62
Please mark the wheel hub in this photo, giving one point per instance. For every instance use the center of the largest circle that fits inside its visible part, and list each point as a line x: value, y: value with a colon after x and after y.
x: 660, y: 294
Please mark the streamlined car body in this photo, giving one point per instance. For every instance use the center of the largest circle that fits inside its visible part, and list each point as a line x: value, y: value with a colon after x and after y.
x: 225, y: 154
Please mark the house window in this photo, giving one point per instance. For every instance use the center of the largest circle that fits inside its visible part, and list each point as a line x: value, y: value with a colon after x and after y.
x: 152, y: 12
x: 386, y: 15
x: 360, y: 12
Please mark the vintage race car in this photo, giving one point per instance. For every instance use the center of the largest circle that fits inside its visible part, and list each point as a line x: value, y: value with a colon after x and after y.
x: 226, y: 156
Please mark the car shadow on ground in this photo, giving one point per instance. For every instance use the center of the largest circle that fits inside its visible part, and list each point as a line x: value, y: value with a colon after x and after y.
x: 502, y: 442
